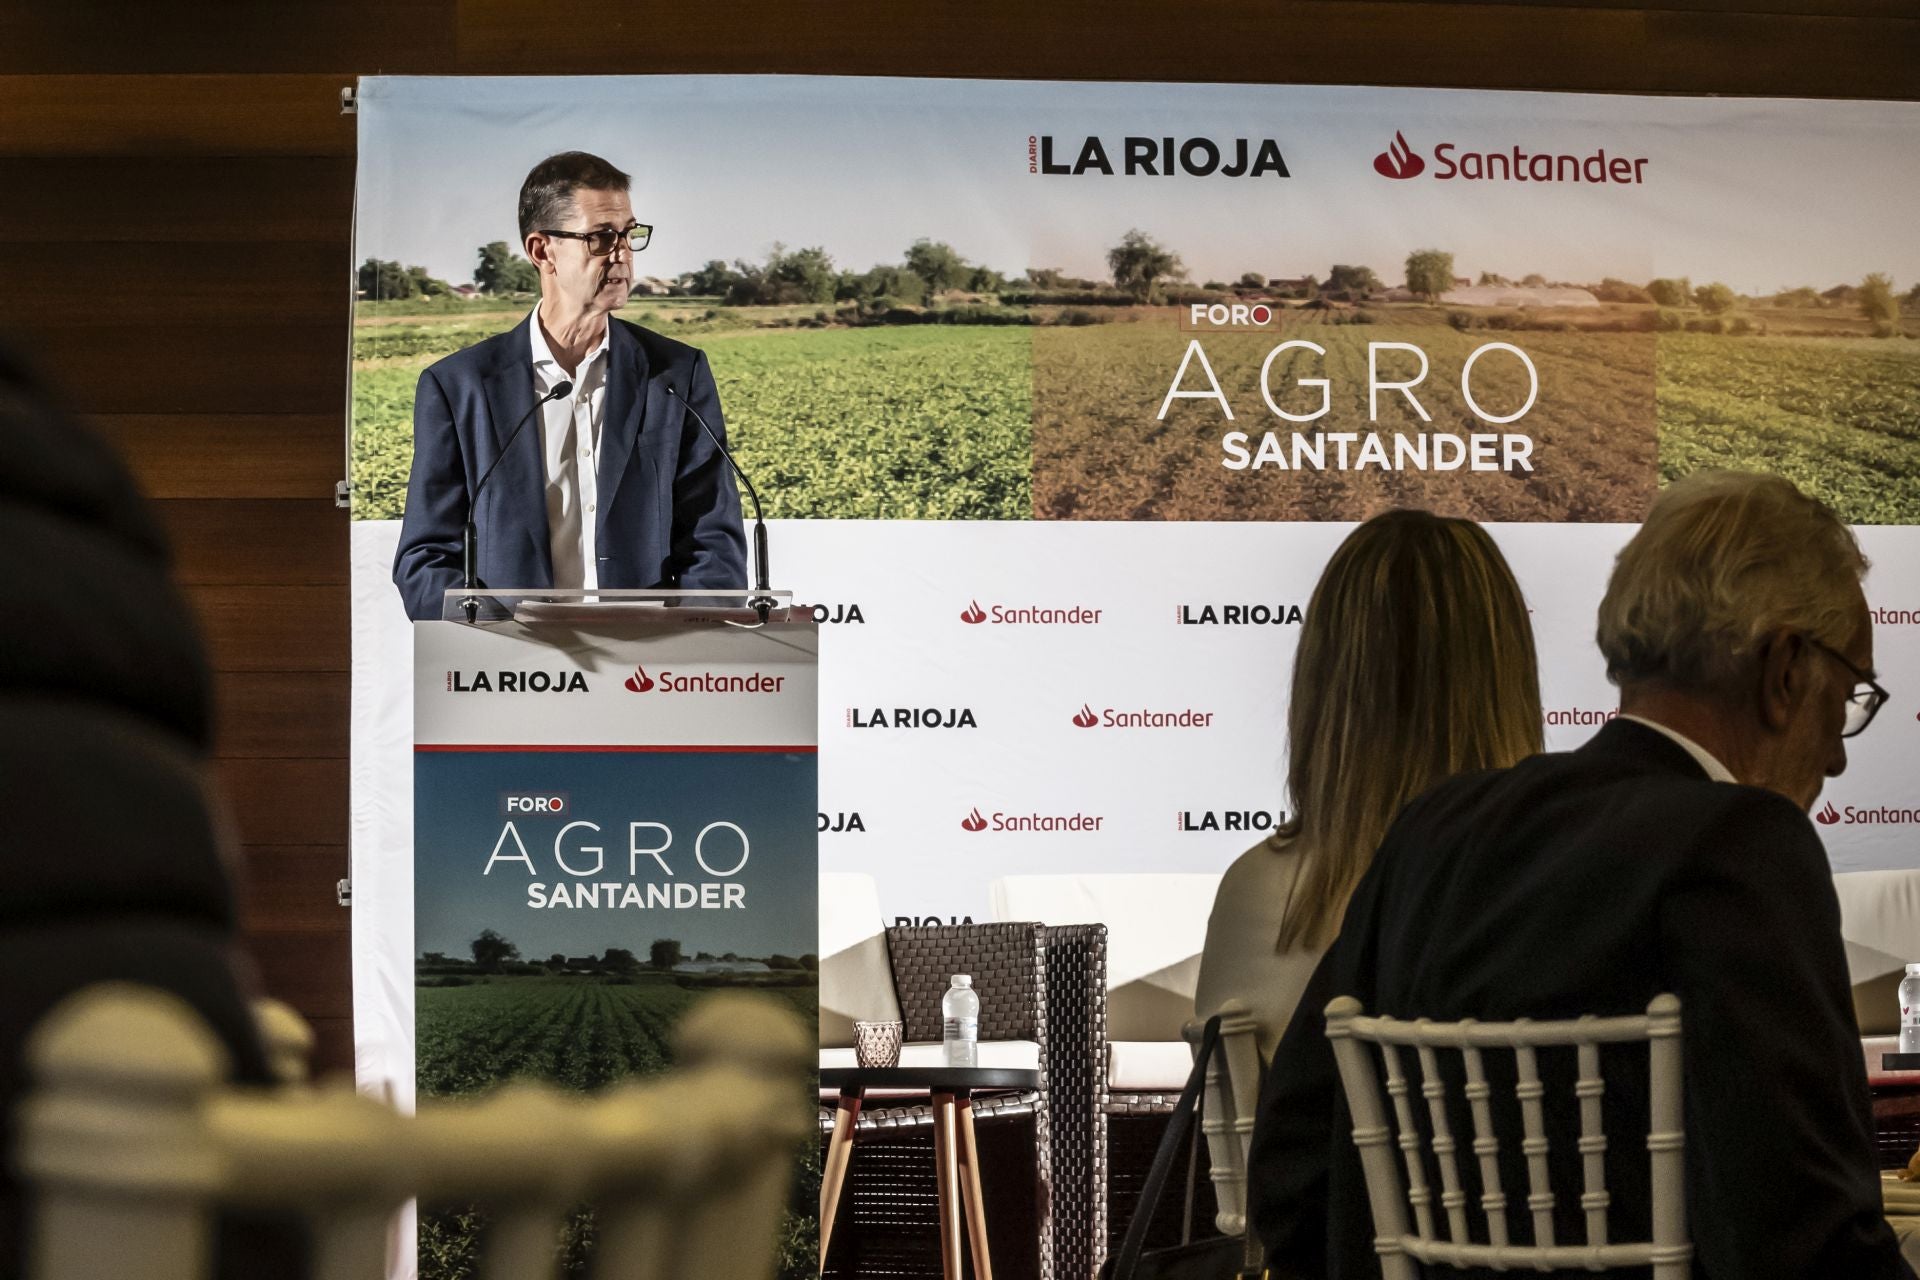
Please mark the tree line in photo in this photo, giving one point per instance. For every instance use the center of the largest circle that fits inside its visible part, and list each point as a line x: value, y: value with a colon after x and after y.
x: 493, y: 954
x: 934, y: 282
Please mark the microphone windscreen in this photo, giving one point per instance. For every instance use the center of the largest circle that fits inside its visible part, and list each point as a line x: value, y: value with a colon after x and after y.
x: 561, y: 388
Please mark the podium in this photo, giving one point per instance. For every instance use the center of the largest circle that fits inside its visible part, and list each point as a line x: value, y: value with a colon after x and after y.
x: 615, y: 811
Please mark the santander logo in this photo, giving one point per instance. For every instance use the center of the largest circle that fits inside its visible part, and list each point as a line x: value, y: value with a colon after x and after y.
x: 974, y: 615
x: 973, y: 821
x: 639, y: 681
x: 1828, y: 815
x: 1399, y: 160
x: 1085, y: 717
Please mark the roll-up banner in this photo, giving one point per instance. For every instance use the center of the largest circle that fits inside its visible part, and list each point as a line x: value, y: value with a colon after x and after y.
x: 1060, y: 395
x: 611, y: 818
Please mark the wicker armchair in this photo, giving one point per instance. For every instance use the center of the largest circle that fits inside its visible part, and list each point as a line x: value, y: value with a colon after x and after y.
x: 1157, y: 924
x: 1045, y: 985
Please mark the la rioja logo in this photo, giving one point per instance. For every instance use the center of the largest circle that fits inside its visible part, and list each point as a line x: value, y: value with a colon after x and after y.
x: 1399, y: 160
x: 639, y: 681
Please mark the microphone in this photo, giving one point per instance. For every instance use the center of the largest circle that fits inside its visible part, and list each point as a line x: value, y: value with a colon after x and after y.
x: 762, y: 603
x: 470, y: 538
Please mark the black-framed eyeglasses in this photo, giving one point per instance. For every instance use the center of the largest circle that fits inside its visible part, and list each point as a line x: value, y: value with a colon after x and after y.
x: 1865, y: 699
x: 600, y: 243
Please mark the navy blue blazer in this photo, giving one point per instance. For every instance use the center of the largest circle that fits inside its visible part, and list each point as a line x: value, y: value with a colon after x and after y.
x: 669, y: 514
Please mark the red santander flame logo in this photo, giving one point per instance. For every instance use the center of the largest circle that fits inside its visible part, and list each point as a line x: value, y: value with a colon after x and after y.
x: 1399, y: 160
x: 973, y: 615
x: 973, y: 821
x: 639, y: 681
x: 1828, y: 815
x: 1085, y: 718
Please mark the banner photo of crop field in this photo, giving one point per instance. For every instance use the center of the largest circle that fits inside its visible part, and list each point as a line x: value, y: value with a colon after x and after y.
x: 595, y: 849
x: 1059, y: 395
x: 547, y: 948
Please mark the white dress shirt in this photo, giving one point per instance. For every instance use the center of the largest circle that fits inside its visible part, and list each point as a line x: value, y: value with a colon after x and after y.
x: 1701, y: 756
x: 570, y: 442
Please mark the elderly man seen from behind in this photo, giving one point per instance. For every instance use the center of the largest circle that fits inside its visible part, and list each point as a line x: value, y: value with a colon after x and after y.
x: 1671, y: 853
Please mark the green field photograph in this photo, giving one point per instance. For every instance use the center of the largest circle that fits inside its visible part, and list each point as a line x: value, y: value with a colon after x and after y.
x: 581, y: 1022
x: 582, y: 1030
x: 517, y: 979
x: 855, y: 418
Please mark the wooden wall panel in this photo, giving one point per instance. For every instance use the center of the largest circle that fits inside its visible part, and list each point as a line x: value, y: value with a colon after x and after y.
x: 151, y: 115
x: 1612, y: 45
x: 175, y: 242
x: 251, y: 543
x: 274, y: 627
x: 203, y: 368
x: 290, y: 888
x: 1803, y: 8
x: 236, y: 201
x: 332, y: 1045
x: 151, y: 37
x: 286, y: 802
x: 282, y: 715
x: 270, y: 288
x: 1798, y: 56
x: 233, y: 455
x: 303, y: 966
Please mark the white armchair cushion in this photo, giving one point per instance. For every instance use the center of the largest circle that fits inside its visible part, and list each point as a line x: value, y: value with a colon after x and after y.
x: 856, y: 974
x: 1156, y: 929
x: 1148, y: 1066
x: 1880, y: 924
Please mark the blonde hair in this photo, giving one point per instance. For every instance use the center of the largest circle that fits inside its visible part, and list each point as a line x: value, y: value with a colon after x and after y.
x: 1416, y: 663
x: 1724, y: 558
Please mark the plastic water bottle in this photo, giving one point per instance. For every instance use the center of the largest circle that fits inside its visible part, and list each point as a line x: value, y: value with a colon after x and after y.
x: 1909, y: 1010
x: 960, y: 1016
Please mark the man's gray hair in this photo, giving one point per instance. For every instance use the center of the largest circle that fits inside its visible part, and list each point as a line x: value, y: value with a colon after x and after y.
x: 1723, y: 559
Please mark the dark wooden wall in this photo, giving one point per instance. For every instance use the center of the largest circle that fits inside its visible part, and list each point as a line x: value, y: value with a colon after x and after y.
x: 175, y: 203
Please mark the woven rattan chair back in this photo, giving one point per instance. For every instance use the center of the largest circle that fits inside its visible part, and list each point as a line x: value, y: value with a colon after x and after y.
x: 1367, y: 1049
x: 1003, y: 960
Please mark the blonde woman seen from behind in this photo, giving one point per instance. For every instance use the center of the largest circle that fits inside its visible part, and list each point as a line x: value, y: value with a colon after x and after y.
x: 1415, y: 663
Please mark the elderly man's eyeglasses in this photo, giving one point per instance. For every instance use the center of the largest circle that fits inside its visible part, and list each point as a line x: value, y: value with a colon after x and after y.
x: 600, y: 243
x: 1866, y: 698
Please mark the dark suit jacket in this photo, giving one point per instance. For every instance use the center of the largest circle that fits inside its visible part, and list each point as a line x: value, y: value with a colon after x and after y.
x: 1589, y: 882
x: 669, y: 515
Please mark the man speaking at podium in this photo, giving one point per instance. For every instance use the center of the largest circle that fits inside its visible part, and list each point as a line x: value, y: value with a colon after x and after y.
x: 568, y: 440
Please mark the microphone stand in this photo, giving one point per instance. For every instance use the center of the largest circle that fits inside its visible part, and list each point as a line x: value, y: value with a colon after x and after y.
x: 762, y: 602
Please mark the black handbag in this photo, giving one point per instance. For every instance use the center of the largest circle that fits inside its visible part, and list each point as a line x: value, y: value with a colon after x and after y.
x: 1211, y: 1258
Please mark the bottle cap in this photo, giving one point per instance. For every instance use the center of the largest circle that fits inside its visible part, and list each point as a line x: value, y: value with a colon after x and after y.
x: 1913, y: 970
x: 966, y: 980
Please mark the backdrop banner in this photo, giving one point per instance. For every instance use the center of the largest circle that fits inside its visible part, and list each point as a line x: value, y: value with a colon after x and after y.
x: 1061, y: 395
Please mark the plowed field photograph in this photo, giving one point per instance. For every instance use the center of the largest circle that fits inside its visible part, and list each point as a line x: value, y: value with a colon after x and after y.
x: 1102, y: 453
